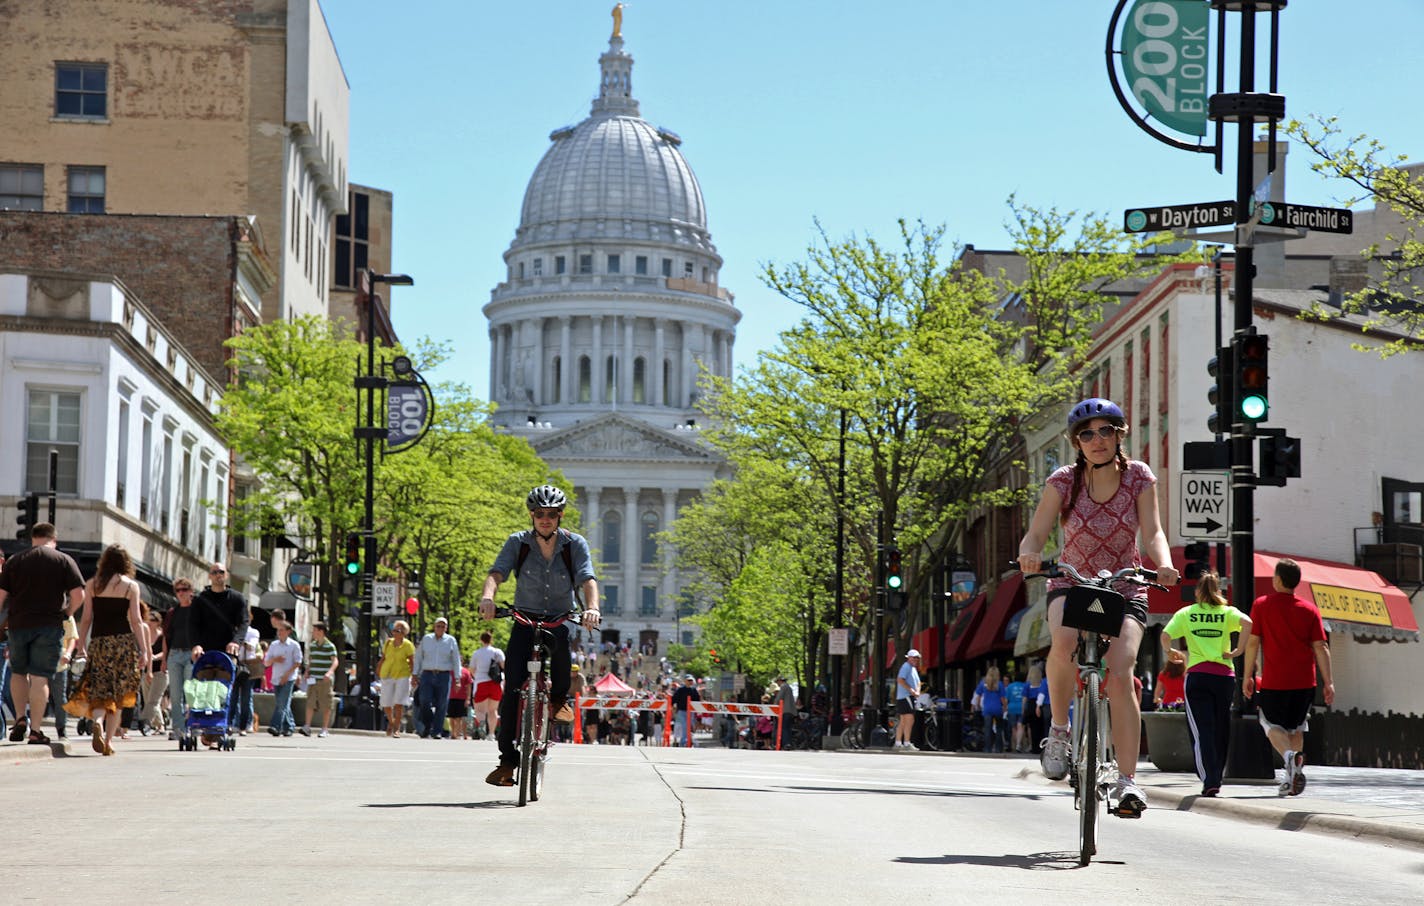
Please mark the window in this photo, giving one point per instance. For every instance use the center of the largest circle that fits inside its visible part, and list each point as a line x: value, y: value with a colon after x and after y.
x: 610, y: 380
x: 145, y: 477
x: 585, y: 378
x: 615, y: 264
x: 521, y: 270
x: 608, y: 597
x: 558, y: 264
x: 120, y: 495
x: 185, y: 496
x: 649, y: 551
x: 86, y: 190
x: 585, y: 264
x: 686, y: 604
x: 640, y: 265
x: 640, y: 369
x: 21, y: 187
x: 558, y: 380
x: 649, y: 604
x: 687, y: 270
x: 667, y: 267
x: 538, y: 267
x: 81, y: 90
x: 52, y: 424
x: 687, y: 640
x: 612, y: 537
x: 353, y: 239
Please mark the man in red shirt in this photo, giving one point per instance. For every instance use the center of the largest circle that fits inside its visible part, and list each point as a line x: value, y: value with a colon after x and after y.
x: 1288, y: 637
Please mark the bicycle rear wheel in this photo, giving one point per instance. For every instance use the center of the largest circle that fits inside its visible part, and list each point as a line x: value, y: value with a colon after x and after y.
x: 1088, y: 757
x: 931, y: 731
x: 526, y: 742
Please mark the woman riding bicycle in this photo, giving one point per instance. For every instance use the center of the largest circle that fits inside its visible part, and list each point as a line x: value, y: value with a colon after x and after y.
x: 547, y: 591
x: 1103, y: 502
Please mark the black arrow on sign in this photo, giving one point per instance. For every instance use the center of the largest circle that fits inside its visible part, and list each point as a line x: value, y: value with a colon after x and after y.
x: 1210, y: 526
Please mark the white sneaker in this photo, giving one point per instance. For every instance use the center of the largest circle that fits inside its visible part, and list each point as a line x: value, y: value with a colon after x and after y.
x: 1130, y: 801
x: 1057, y: 753
x: 322, y: 735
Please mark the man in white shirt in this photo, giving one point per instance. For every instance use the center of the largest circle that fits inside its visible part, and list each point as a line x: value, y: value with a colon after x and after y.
x: 488, y: 691
x: 284, y: 656
x: 437, y: 663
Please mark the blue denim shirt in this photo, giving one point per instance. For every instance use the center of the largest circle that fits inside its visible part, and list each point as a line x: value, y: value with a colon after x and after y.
x: 543, y: 586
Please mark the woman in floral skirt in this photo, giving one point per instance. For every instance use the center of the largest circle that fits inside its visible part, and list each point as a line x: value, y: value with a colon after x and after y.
x: 116, y: 641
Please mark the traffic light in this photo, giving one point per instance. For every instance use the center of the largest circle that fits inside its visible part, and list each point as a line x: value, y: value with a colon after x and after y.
x: 1219, y: 367
x: 353, y: 554
x: 1279, y: 458
x: 29, y: 508
x: 894, y: 572
x: 1249, y: 354
x: 1198, y: 557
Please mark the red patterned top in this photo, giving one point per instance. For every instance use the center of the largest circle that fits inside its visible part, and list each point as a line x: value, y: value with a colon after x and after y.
x: 1098, y: 536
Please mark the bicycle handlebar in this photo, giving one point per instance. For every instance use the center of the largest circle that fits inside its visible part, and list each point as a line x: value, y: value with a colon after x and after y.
x: 539, y: 619
x: 1137, y: 575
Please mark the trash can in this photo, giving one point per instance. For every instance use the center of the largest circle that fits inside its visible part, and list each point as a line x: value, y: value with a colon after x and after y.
x: 951, y: 726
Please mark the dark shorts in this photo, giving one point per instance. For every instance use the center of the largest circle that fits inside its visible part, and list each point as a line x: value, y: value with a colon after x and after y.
x: 1136, y: 607
x: 35, y: 652
x: 1287, y: 709
x: 457, y: 709
x: 903, y: 706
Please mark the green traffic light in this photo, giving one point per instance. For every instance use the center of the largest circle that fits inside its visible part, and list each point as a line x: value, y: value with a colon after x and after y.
x: 1254, y: 407
x: 893, y: 582
x: 353, y: 568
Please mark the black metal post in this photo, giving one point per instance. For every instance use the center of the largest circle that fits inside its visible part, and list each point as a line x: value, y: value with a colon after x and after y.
x: 1222, y: 567
x: 837, y: 723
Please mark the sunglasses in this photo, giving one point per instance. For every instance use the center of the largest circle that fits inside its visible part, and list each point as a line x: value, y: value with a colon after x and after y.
x: 182, y: 591
x: 546, y: 514
x: 1106, y: 431
x: 217, y: 572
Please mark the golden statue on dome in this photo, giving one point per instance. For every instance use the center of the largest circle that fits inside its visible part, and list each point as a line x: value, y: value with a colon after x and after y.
x: 617, y: 20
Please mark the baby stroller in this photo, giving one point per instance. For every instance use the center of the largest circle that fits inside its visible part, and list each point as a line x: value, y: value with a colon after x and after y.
x: 207, y: 696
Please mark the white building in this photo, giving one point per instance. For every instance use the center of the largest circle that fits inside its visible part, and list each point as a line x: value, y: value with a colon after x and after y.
x: 89, y: 372
x: 610, y: 310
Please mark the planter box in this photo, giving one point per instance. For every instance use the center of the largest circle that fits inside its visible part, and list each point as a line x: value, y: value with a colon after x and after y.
x: 1169, y: 742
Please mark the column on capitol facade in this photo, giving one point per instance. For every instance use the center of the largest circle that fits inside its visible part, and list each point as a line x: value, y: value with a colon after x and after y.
x: 632, y: 593
x: 564, y: 390
x: 655, y: 396
x: 537, y: 366
x: 625, y: 372
x: 597, y: 364
x: 669, y: 592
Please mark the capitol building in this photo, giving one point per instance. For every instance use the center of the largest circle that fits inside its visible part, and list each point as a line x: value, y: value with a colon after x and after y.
x: 609, y: 311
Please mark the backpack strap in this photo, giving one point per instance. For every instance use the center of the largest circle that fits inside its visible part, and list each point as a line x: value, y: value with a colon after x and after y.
x: 568, y: 561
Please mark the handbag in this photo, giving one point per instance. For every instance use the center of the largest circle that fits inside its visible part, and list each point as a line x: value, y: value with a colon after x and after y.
x: 496, y: 672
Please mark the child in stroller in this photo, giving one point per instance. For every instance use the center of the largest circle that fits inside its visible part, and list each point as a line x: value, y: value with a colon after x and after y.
x: 207, y: 699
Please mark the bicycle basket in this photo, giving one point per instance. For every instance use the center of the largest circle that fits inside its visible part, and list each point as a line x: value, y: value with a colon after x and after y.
x: 1094, y: 609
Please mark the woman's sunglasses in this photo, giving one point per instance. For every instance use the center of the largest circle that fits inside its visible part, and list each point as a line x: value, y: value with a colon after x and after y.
x: 1106, y: 431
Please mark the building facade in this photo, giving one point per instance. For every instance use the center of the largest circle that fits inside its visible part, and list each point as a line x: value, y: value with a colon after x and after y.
x: 610, y: 310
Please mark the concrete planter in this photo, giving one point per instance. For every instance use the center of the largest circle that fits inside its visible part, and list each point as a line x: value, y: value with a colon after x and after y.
x: 1169, y: 742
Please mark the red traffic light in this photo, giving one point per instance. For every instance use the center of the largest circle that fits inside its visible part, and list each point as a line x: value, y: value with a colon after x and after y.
x: 412, y: 606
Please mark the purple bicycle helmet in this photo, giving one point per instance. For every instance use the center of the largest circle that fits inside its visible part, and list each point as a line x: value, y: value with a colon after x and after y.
x: 1097, y: 407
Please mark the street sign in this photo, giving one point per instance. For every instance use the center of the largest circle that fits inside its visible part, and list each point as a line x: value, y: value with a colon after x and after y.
x: 1180, y: 216
x: 1205, y: 506
x: 1164, y: 57
x: 1307, y: 217
x: 383, y: 599
x: 839, y: 641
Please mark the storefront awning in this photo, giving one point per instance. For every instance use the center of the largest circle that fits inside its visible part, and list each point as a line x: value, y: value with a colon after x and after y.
x: 927, y: 643
x: 992, y: 635
x: 1034, y: 634
x: 961, y: 629
x: 1351, y: 599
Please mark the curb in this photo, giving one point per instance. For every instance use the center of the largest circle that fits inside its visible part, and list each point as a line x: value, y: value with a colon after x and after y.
x: 1293, y: 819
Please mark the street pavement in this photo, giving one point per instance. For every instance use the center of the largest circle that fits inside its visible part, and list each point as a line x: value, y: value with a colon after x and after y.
x: 356, y: 817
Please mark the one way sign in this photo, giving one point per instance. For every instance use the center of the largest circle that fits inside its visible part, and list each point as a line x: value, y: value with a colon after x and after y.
x: 1205, y: 510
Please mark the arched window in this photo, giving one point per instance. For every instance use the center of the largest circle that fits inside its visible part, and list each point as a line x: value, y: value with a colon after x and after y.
x: 612, y: 538
x: 640, y: 368
x: 585, y: 374
x: 667, y: 383
x: 649, y: 552
x: 610, y: 380
x: 558, y: 380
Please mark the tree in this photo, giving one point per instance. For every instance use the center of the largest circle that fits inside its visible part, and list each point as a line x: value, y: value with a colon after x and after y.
x: 1390, y: 304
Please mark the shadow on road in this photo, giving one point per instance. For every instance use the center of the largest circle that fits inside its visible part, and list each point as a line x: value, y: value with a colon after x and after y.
x: 882, y: 791
x: 1030, y: 862
x: 495, y: 804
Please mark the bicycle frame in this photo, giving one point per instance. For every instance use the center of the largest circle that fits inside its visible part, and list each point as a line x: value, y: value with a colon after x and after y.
x: 1093, y: 766
x: 534, y: 703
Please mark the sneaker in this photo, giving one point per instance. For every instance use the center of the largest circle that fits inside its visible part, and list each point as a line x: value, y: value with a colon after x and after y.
x: 172, y: 735
x: 1298, y: 774
x: 274, y: 731
x: 305, y: 731
x: 1211, y: 792
x: 1131, y: 803
x: 322, y: 735
x: 20, y: 728
x: 501, y: 776
x: 1285, y: 787
x: 1057, y: 753
x: 286, y: 732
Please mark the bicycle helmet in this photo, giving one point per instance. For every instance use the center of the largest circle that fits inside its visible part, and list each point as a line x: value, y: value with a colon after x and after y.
x: 546, y: 496
x: 1097, y: 407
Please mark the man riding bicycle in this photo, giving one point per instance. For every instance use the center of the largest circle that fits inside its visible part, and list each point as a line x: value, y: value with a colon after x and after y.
x: 550, y: 563
x: 1103, y: 502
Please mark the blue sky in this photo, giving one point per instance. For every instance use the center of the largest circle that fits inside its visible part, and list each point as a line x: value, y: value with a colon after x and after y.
x: 793, y: 111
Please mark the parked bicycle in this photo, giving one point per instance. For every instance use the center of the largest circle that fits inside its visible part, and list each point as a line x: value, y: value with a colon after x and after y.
x: 534, y: 706
x: 1097, y: 610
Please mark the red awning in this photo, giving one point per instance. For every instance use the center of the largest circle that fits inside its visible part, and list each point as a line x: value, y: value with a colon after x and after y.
x: 1350, y: 599
x: 927, y: 643
x: 990, y: 636
x: 961, y: 629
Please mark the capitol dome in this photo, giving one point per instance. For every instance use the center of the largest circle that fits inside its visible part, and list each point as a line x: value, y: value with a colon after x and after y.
x: 614, y: 177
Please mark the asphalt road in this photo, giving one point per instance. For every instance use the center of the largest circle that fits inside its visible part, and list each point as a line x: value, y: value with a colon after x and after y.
x: 360, y: 819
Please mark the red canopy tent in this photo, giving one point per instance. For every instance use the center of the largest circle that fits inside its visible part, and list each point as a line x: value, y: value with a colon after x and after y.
x: 608, y: 684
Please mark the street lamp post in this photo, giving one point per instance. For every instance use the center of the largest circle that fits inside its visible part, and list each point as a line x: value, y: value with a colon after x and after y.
x: 369, y: 431
x: 838, y: 666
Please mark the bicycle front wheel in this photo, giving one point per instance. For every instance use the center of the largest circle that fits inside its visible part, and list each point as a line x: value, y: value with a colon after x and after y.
x: 931, y: 732
x: 1088, y: 755
x: 526, y: 742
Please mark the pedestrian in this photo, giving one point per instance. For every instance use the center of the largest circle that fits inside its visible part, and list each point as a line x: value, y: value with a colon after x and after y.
x: 178, y: 653
x: 39, y: 587
x: 320, y: 670
x: 249, y: 680
x: 437, y: 661
x: 557, y: 565
x: 1171, y: 691
x: 59, y: 683
x: 786, y: 697
x: 907, y: 689
x: 113, y: 637
x: 682, y: 699
x: 1013, y: 715
x: 1035, y: 706
x: 1206, y: 627
x: 394, y: 671
x: 157, y: 680
x: 487, y: 668
x: 220, y: 616
x: 1101, y: 504
x: 459, y: 712
x: 284, y: 656
x: 1288, y: 637
x: 989, y: 702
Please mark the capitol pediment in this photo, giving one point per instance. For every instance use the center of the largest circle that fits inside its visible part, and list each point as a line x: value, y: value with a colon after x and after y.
x: 616, y: 436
